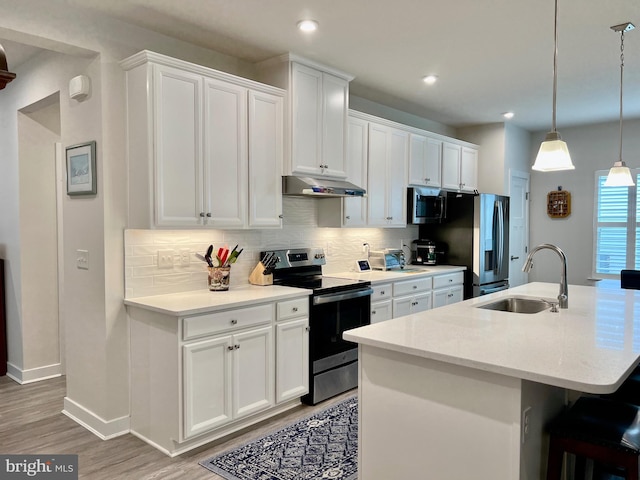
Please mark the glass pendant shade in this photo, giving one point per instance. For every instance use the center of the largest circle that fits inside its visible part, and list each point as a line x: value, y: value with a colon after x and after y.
x: 619, y: 176
x: 553, y: 155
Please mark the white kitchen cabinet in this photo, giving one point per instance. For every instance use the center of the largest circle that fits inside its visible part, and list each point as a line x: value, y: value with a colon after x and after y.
x: 317, y: 114
x: 411, y: 296
x: 227, y: 378
x: 381, y: 302
x: 201, y: 145
x: 350, y: 212
x: 388, y: 156
x: 459, y: 167
x: 447, y: 289
x: 425, y: 158
x: 292, y: 352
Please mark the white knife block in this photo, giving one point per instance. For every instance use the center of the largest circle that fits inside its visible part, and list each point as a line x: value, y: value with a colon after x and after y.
x: 259, y: 278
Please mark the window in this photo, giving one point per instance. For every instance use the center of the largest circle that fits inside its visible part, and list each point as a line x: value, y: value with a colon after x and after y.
x: 616, y: 229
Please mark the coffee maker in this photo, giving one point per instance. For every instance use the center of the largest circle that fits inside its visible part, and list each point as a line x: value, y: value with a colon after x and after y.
x: 423, y: 252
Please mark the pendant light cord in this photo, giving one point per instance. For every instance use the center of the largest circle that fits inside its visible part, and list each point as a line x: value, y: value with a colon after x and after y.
x: 621, y: 77
x: 555, y: 68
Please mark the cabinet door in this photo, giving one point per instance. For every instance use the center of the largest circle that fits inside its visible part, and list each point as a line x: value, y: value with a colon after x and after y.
x: 440, y: 297
x: 421, y: 302
x: 335, y: 94
x: 417, y: 159
x: 292, y: 359
x: 433, y: 163
x: 265, y: 159
x: 397, y: 157
x: 177, y: 105
x: 381, y: 311
x: 402, y: 306
x: 253, y: 373
x: 355, y: 209
x: 225, y: 154
x: 207, y: 384
x: 451, y: 154
x: 377, y: 176
x: 306, y: 128
x: 469, y: 169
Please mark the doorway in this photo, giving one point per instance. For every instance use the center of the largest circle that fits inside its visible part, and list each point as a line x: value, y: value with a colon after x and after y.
x: 519, y: 230
x: 41, y: 174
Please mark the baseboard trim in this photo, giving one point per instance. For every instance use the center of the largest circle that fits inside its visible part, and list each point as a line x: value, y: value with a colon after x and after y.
x: 104, y: 429
x: 33, y: 374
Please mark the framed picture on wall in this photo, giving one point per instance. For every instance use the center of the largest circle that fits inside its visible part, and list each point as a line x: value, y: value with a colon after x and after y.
x: 81, y: 169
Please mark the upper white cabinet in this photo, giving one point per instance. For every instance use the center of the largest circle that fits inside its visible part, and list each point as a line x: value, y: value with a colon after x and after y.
x: 425, y: 159
x: 316, y: 115
x: 459, y: 167
x: 388, y: 155
x: 203, y: 146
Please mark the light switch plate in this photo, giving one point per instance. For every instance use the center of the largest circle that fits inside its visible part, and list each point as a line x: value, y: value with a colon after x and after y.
x: 82, y: 259
x: 165, y: 258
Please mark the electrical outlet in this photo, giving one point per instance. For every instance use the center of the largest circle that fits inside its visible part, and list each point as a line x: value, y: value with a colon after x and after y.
x: 526, y: 424
x: 82, y: 259
x: 185, y: 255
x: 165, y: 258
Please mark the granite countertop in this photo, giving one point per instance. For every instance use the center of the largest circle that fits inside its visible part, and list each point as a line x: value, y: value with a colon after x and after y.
x: 411, y: 271
x: 590, y: 347
x: 204, y: 301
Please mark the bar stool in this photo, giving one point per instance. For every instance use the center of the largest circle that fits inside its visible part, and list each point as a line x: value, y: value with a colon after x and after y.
x: 600, y: 429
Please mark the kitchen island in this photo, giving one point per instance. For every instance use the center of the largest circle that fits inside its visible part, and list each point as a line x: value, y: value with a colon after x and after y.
x: 464, y: 392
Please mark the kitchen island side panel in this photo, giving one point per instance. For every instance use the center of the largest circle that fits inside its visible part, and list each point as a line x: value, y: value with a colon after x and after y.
x: 421, y: 418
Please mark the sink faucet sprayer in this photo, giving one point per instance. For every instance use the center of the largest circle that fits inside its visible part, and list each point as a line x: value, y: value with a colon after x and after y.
x: 563, y: 297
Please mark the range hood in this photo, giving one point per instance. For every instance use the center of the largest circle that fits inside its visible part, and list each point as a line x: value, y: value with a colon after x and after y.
x: 320, y: 187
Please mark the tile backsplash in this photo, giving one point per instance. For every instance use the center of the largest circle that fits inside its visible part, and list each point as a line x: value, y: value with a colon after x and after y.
x: 342, y: 247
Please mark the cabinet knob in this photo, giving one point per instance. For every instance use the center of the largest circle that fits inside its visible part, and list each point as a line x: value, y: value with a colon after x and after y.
x: 202, y: 214
x: 208, y: 214
x: 348, y: 217
x: 307, y: 328
x: 450, y: 295
x: 295, y: 309
x: 415, y: 286
x: 281, y: 216
x: 450, y: 280
x: 230, y: 347
x: 428, y: 179
x: 234, y: 321
x: 236, y: 347
x: 373, y: 312
x: 381, y: 292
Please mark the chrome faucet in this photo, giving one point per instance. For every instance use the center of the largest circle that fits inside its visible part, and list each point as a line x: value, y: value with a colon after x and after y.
x: 563, y: 296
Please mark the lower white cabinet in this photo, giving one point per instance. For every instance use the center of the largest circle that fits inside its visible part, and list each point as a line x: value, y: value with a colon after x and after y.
x: 448, y: 289
x: 198, y: 378
x: 411, y: 296
x: 227, y: 378
x: 292, y: 354
x: 381, y: 304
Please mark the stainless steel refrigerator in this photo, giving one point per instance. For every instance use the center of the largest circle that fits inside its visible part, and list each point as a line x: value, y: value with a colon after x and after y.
x: 475, y: 234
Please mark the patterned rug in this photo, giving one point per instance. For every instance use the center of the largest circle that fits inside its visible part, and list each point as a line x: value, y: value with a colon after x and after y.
x: 322, y: 446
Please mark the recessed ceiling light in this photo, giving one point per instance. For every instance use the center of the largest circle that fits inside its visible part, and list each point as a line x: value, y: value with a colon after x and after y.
x: 430, y: 79
x: 507, y: 115
x: 308, y: 25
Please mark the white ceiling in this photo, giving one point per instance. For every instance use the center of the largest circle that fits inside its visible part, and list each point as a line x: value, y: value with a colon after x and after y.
x: 491, y: 56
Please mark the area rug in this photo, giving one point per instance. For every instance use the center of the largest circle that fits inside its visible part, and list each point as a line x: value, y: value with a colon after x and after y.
x: 319, y: 447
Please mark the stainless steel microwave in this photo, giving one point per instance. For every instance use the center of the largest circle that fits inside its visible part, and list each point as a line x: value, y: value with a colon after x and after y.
x: 425, y: 205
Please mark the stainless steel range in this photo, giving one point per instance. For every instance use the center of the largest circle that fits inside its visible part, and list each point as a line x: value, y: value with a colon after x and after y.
x: 336, y: 305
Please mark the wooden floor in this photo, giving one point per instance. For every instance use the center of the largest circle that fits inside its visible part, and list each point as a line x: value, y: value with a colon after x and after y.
x: 31, y: 422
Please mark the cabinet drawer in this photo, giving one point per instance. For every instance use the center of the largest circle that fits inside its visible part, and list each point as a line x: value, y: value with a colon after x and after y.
x: 411, y: 286
x: 381, y: 292
x: 293, y: 308
x: 440, y: 281
x: 201, y: 325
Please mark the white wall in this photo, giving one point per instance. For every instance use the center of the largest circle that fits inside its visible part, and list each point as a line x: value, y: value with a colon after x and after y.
x: 593, y: 147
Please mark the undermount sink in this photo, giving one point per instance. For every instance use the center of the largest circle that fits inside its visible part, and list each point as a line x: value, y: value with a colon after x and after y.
x: 517, y: 305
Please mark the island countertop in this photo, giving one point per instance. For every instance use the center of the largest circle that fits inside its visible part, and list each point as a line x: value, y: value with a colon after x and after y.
x: 590, y: 347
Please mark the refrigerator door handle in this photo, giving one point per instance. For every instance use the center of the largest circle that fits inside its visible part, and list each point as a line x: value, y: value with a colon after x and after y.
x: 500, y: 237
x: 496, y: 237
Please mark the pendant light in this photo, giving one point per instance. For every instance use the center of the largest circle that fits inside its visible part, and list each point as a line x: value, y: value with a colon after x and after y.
x: 620, y: 175
x: 553, y: 154
x: 5, y: 75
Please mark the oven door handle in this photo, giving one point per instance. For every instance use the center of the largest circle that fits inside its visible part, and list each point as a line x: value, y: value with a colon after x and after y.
x: 338, y: 297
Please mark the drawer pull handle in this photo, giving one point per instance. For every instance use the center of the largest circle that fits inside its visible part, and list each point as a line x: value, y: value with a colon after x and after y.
x: 230, y: 347
x: 373, y: 312
x: 234, y: 321
x: 236, y: 347
x: 415, y: 286
x: 295, y: 309
x: 382, y: 292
